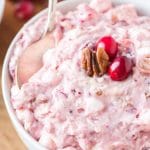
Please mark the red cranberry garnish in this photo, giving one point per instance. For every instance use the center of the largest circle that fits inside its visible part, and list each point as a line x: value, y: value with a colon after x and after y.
x: 120, y: 68
x: 24, y: 10
x: 110, y: 46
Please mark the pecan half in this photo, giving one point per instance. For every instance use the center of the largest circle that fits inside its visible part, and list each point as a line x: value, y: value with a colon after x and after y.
x: 87, y: 61
x: 94, y: 62
x: 95, y: 65
x: 102, y: 59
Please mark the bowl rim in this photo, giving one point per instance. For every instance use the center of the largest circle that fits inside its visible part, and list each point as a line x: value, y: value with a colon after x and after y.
x: 6, y: 92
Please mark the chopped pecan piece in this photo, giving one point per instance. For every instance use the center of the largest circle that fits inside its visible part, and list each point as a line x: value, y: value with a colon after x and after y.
x: 99, y: 92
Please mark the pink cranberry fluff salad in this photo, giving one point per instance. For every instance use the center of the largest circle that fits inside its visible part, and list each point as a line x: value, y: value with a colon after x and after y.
x: 93, y: 89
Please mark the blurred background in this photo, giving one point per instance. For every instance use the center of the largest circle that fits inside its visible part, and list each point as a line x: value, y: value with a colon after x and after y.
x: 16, y: 13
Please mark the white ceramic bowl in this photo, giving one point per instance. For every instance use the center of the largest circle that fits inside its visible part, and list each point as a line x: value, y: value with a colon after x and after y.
x: 142, y: 5
x: 2, y: 4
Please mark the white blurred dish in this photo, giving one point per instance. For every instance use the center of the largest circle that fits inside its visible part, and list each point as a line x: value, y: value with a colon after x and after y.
x: 142, y: 6
x: 2, y: 4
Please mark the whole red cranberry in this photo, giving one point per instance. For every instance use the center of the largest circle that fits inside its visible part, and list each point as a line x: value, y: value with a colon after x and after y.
x: 120, y: 68
x: 24, y: 10
x: 110, y: 46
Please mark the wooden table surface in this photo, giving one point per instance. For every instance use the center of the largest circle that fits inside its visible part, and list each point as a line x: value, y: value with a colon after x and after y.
x: 9, y: 139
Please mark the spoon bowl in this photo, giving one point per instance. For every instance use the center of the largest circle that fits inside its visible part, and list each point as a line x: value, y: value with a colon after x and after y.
x: 28, y: 63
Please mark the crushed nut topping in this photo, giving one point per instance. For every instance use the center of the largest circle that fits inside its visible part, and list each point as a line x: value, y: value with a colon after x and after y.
x: 94, y: 62
x: 99, y: 93
x: 147, y: 95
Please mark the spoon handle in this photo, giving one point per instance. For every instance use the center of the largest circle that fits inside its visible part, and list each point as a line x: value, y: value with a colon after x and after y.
x: 50, y: 20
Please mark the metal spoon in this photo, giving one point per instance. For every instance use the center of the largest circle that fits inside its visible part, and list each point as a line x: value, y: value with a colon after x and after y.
x: 50, y: 20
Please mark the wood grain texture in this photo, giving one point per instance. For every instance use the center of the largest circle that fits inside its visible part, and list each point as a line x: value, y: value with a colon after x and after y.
x: 9, y: 26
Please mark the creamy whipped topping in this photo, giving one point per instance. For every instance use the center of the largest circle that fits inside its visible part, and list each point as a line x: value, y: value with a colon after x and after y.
x: 59, y: 105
